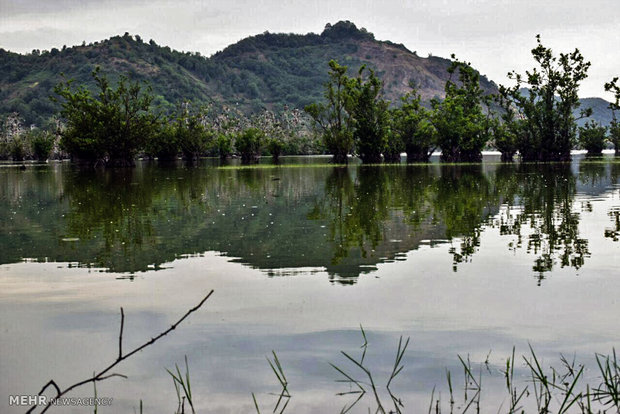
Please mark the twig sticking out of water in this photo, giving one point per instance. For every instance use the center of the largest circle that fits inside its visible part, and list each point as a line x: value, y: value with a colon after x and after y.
x: 105, y: 373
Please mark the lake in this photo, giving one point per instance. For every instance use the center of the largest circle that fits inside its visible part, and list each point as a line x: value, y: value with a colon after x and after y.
x: 468, y: 260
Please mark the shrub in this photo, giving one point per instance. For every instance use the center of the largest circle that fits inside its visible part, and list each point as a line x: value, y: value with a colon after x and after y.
x: 248, y: 144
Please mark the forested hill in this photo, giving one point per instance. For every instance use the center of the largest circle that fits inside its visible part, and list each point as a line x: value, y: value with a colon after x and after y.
x: 267, y: 70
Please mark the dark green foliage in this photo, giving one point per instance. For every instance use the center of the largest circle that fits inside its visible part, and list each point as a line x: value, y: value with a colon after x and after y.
x: 505, y: 138
x: 614, y: 135
x: 346, y: 30
x: 248, y: 144
x: 459, y: 119
x: 393, y: 147
x: 332, y: 118
x: 506, y: 130
x: 164, y: 144
x: 369, y: 113
x: 411, y: 126
x: 110, y: 127
x: 192, y: 136
x: 42, y: 144
x: 550, y: 129
x: 592, y: 138
x: 614, y: 127
x: 274, y: 146
x: 223, y: 145
x: 18, y: 148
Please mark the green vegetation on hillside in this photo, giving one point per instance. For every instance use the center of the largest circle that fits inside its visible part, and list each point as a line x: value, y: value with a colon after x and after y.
x: 263, y: 71
x: 197, y: 106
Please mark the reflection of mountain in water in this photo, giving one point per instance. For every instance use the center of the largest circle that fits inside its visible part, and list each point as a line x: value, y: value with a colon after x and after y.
x: 343, y: 220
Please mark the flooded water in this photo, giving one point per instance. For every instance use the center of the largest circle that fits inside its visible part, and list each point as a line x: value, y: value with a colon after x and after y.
x: 463, y: 259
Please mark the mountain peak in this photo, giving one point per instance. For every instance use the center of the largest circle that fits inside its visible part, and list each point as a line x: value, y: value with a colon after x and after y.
x: 346, y: 29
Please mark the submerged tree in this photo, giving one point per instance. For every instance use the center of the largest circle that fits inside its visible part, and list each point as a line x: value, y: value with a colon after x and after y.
x: 506, y: 130
x: 614, y: 127
x: 110, y: 127
x: 192, y: 135
x: 163, y: 144
x: 411, y: 126
x: 248, y: 144
x: 369, y: 113
x: 592, y: 137
x: 547, y: 107
x: 459, y: 118
x: 332, y: 118
x: 183, y: 132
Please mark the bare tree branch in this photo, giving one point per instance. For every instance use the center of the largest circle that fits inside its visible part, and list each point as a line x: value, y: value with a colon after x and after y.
x: 102, y: 374
x: 120, y: 335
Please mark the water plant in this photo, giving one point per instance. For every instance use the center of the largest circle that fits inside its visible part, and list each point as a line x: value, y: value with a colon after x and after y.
x: 182, y: 382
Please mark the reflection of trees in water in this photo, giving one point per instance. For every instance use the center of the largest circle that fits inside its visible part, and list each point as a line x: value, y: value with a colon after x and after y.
x: 355, y: 211
x: 458, y: 201
x: 346, y: 220
x: 539, y: 202
x: 413, y: 192
x: 111, y: 205
x: 364, y: 214
x: 614, y: 232
x: 592, y: 172
x: 614, y: 213
x: 463, y: 201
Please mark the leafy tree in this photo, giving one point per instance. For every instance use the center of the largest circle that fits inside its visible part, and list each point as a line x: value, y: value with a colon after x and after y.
x: 547, y: 108
x: 248, y: 144
x: 459, y: 118
x: 274, y: 146
x: 110, y: 127
x: 164, y: 144
x: 394, y: 145
x: 506, y: 130
x: 412, y: 127
x: 191, y: 134
x: 42, y: 144
x: 223, y: 145
x: 370, y: 116
x: 332, y: 118
x: 18, y: 147
x: 614, y: 127
x: 592, y: 137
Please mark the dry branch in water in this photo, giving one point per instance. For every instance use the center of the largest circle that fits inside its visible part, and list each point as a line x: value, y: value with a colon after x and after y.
x: 105, y: 373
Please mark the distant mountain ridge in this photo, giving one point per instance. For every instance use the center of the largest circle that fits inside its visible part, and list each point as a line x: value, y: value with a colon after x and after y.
x: 263, y: 71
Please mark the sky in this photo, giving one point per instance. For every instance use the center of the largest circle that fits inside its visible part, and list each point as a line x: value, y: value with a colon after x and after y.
x: 496, y: 36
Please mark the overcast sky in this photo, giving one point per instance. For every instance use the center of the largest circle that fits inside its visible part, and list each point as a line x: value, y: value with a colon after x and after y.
x: 495, y: 35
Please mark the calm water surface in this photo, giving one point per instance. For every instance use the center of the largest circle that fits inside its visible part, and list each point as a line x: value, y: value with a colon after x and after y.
x: 463, y: 259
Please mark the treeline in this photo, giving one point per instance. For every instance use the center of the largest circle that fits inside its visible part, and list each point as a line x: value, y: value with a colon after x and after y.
x: 19, y: 143
x: 120, y: 122
x: 115, y: 121
x: 535, y: 116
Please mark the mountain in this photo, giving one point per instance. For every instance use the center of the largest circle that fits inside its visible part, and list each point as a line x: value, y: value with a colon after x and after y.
x: 267, y: 70
x: 600, y: 110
